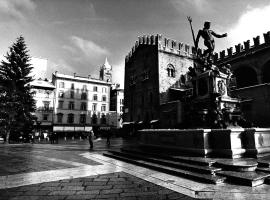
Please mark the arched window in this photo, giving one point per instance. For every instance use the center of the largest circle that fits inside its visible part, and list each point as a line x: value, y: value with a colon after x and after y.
x: 171, y: 70
x: 245, y: 76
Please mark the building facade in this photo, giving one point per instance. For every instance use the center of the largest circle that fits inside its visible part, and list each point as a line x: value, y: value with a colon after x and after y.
x: 44, y: 97
x: 250, y: 63
x: 116, y: 106
x: 80, y: 102
x: 155, y: 70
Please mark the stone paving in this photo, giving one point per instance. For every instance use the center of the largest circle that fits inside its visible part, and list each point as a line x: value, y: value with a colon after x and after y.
x: 59, y: 171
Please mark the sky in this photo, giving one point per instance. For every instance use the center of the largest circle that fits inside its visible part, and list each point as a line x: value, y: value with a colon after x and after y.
x: 77, y: 35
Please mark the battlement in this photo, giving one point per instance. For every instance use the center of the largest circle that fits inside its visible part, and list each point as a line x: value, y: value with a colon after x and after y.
x: 163, y: 44
x: 243, y: 49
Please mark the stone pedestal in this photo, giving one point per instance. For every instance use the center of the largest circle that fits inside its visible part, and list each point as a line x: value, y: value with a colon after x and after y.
x: 232, y: 143
x: 257, y: 141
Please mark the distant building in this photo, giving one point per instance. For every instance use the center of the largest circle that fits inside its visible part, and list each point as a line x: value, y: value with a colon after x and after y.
x: 116, y: 106
x: 44, y: 97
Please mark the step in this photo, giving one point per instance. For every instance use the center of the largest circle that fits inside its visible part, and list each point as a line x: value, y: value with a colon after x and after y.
x: 243, y: 165
x: 176, y: 164
x: 263, y: 169
x: 267, y: 181
x: 184, y: 159
x: 263, y: 162
x: 245, y: 178
x: 206, y: 178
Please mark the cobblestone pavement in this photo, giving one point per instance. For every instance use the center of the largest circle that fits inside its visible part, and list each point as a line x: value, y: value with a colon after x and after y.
x: 59, y: 171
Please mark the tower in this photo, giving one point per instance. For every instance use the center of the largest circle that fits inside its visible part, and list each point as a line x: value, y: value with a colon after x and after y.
x: 105, y: 73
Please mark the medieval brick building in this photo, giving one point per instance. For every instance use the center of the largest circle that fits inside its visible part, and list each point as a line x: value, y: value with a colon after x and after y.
x: 154, y: 71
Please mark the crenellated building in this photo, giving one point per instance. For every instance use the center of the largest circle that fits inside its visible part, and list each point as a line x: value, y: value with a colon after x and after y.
x: 155, y: 75
x: 250, y: 63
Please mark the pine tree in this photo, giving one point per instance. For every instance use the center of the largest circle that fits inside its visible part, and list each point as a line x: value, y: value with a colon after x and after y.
x: 16, y: 98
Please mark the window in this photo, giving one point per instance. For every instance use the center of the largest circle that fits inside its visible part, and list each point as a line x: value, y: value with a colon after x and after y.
x: 72, y: 94
x: 103, y: 98
x: 103, y: 107
x: 95, y: 88
x: 121, y: 101
x: 84, y: 88
x: 72, y: 86
x: 171, y: 70
x: 60, y: 104
x: 61, y: 85
x: 70, y: 118
x: 47, y: 94
x: 83, y: 96
x: 59, y: 117
x: 104, y: 90
x: 95, y: 97
x: 46, y: 105
x: 45, y: 117
x: 82, y: 118
x: 121, y: 108
x: 83, y: 106
x: 61, y: 94
x: 94, y: 107
x: 71, y: 105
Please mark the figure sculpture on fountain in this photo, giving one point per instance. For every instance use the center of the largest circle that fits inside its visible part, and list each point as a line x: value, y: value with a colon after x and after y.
x: 207, y: 34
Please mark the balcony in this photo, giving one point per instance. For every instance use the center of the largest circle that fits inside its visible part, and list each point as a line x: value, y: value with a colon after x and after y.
x: 45, y: 109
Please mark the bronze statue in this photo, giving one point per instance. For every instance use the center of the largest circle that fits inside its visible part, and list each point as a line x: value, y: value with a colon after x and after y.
x: 207, y: 34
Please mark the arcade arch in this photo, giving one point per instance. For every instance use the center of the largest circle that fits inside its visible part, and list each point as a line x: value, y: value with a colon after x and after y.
x: 245, y: 76
x: 266, y: 72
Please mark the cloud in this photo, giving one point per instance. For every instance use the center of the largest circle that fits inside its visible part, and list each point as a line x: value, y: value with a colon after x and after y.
x: 252, y: 22
x: 16, y: 9
x: 201, y: 6
x: 89, y: 48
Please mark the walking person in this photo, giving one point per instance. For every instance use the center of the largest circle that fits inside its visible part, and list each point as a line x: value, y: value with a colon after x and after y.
x: 91, y: 137
x: 109, y: 134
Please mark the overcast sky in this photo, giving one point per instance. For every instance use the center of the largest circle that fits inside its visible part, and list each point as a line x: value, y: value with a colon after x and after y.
x: 77, y: 35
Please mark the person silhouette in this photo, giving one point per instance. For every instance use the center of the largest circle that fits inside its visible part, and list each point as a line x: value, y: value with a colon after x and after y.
x: 207, y: 34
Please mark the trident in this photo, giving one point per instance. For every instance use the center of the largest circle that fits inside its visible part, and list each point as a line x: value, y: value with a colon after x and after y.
x: 190, y: 22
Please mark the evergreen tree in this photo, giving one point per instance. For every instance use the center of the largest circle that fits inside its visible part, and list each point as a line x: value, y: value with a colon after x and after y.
x: 16, y: 99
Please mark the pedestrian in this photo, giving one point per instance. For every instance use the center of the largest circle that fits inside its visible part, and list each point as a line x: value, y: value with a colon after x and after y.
x: 109, y: 133
x: 91, y: 137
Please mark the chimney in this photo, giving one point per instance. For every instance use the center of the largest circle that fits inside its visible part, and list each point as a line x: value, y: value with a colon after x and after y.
x: 74, y: 75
